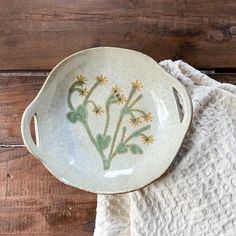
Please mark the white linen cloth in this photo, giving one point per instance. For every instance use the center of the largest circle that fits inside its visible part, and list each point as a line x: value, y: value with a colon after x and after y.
x: 197, y: 195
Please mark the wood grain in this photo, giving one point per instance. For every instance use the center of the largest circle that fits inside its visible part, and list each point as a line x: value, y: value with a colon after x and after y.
x: 17, y: 90
x: 224, y: 77
x: 38, y: 34
x: 33, y: 202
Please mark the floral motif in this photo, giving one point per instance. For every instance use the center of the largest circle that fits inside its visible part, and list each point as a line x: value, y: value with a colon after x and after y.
x: 121, y: 98
x: 83, y: 92
x: 98, y: 110
x: 81, y: 79
x: 137, y: 85
x: 102, y: 79
x: 116, y: 89
x: 103, y: 140
x: 148, y: 117
x: 147, y: 139
x: 135, y: 121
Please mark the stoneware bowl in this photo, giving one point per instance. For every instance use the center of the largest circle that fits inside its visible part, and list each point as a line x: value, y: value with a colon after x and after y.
x: 109, y: 120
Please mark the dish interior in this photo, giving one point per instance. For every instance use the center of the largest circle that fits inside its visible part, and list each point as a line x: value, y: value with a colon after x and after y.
x: 108, y: 120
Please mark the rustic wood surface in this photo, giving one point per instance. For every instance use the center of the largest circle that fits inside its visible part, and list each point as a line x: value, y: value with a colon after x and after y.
x: 38, y: 34
x: 224, y: 77
x: 35, y: 35
x: 17, y: 90
x: 33, y: 202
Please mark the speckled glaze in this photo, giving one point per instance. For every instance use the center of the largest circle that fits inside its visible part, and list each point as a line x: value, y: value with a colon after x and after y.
x: 108, y: 120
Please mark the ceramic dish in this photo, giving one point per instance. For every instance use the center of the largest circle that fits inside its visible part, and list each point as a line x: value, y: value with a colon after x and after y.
x: 109, y: 120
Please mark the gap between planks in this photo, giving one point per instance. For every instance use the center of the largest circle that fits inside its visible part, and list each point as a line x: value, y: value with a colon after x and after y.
x: 12, y: 145
x: 7, y: 74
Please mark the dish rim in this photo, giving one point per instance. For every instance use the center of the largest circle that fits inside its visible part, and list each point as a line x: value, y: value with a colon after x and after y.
x: 35, y: 101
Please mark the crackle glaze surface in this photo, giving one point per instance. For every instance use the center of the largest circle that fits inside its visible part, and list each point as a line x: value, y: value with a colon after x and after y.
x: 108, y: 120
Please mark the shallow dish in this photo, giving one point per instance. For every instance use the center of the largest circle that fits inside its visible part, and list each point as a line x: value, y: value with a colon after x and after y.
x: 109, y: 120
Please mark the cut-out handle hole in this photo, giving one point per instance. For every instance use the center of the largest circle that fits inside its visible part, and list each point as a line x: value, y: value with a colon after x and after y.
x: 34, y: 129
x: 179, y: 103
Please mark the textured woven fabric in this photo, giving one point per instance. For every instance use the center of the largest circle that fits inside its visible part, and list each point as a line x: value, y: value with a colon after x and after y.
x: 197, y: 195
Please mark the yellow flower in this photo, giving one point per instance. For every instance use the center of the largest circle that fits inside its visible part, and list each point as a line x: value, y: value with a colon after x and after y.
x: 82, y: 79
x: 121, y: 98
x: 137, y: 85
x: 116, y: 89
x: 84, y: 92
x: 98, y: 110
x: 147, y: 139
x: 101, y: 79
x: 135, y: 121
x: 148, y: 117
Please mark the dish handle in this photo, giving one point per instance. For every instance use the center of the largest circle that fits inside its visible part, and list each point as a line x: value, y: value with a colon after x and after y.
x: 28, y: 114
x: 186, y: 103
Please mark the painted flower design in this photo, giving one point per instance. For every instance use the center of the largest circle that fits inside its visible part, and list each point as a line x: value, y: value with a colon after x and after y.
x: 98, y: 110
x: 81, y: 79
x: 102, y: 79
x: 148, y: 117
x: 116, y: 89
x: 137, y: 85
x: 147, y: 139
x: 121, y: 98
x: 119, y: 140
x: 135, y: 121
x: 83, y: 92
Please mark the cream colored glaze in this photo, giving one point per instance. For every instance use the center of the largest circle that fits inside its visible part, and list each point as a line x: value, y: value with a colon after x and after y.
x: 64, y: 148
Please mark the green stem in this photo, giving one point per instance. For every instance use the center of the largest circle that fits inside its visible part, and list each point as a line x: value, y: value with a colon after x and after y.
x: 143, y: 135
x: 71, y: 91
x: 115, y: 134
x: 119, y: 123
x: 139, y: 111
x: 137, y: 132
x: 107, y: 115
x: 121, y: 140
x: 69, y: 101
x: 92, y: 102
x: 135, y: 101
x: 90, y: 91
x: 123, y: 133
x: 106, y: 163
x: 107, y: 120
x: 130, y: 96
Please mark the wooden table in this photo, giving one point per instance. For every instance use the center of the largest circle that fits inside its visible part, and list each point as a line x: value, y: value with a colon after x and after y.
x: 36, y: 34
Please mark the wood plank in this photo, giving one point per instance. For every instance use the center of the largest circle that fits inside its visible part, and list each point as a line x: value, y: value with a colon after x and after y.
x: 33, y: 202
x: 17, y: 90
x: 38, y: 34
x: 224, y: 77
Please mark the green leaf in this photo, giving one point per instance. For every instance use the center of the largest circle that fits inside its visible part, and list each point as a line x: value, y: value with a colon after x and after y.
x: 122, y: 148
x: 135, y: 149
x: 103, y: 141
x: 72, y: 117
x: 82, y: 113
